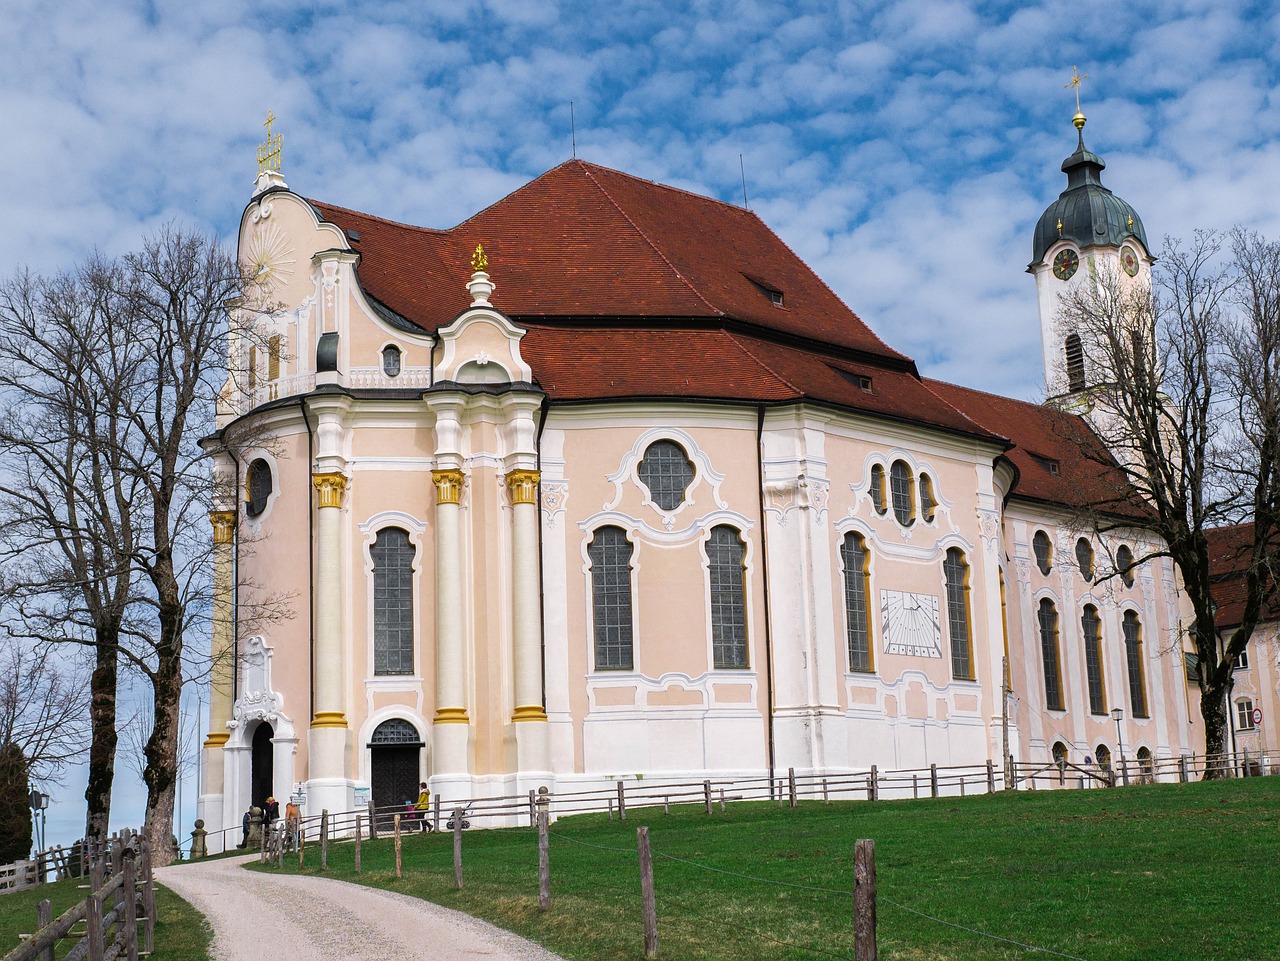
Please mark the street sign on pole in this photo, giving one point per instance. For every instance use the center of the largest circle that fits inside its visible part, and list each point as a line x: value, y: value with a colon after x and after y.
x: 1257, y: 715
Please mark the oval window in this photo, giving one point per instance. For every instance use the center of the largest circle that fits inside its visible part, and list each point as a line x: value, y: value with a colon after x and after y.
x: 1084, y: 558
x: 258, y: 487
x: 877, y: 490
x: 391, y: 360
x: 1043, y: 551
x: 666, y: 470
x: 1124, y: 565
x: 928, y: 503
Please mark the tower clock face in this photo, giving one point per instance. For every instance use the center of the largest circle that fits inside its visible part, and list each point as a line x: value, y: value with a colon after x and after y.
x: 1129, y: 261
x: 1065, y: 264
x: 910, y: 624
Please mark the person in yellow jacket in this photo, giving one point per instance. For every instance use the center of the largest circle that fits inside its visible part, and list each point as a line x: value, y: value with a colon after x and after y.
x: 423, y: 807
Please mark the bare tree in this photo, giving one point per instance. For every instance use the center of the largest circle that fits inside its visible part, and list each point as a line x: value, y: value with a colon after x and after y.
x: 67, y: 539
x: 42, y: 708
x: 1184, y: 393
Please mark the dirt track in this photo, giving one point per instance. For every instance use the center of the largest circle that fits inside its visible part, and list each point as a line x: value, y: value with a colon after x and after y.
x: 273, y: 917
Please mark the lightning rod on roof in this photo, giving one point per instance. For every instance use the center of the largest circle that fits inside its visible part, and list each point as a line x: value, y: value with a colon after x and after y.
x: 743, y: 170
x: 573, y: 131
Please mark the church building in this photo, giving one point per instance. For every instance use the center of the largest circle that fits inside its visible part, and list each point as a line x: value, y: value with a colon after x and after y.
x: 605, y: 482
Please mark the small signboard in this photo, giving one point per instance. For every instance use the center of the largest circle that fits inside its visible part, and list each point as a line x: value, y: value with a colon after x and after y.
x: 1257, y: 715
x: 362, y: 797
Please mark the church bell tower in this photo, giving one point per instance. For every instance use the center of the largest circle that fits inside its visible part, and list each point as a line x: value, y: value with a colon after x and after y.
x: 1087, y: 233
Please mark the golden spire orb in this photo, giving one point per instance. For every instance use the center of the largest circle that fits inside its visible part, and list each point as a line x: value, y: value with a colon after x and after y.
x: 1077, y: 78
x: 270, y: 149
x: 479, y: 260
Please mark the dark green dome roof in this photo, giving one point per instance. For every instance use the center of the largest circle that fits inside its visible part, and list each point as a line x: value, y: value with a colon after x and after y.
x: 1089, y: 213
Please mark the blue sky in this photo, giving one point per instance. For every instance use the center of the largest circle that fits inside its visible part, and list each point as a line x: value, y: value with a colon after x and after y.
x: 903, y: 149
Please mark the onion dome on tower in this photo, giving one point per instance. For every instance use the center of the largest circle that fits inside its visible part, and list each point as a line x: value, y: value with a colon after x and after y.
x: 1086, y: 214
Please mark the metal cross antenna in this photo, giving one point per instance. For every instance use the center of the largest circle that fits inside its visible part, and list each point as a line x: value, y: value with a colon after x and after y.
x: 1077, y: 78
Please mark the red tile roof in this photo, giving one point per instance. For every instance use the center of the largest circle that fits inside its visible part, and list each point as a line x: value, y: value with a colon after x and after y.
x: 1230, y: 549
x: 1060, y: 460
x: 587, y: 241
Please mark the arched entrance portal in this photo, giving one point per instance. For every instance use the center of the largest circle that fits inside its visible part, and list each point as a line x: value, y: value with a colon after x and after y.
x: 263, y: 765
x: 395, y: 750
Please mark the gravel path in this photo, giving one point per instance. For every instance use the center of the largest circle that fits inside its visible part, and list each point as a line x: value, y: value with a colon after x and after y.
x: 258, y: 916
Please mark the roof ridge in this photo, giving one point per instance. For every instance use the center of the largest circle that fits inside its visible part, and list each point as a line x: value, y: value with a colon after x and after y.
x: 925, y: 383
x: 656, y: 249
x: 680, y: 190
x: 765, y: 364
x: 383, y: 220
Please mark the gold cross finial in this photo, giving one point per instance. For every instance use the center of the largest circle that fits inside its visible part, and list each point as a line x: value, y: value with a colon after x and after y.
x: 1077, y: 78
x: 269, y: 150
x: 479, y: 260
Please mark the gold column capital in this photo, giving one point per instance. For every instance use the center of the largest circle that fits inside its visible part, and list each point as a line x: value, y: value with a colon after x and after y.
x: 451, y: 715
x: 329, y: 719
x: 529, y: 712
x: 216, y: 739
x: 448, y: 485
x: 522, y: 485
x: 224, y: 526
x: 330, y: 487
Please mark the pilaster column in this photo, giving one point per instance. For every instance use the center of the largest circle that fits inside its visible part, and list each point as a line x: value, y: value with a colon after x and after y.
x: 526, y: 633
x: 222, y: 629
x: 451, y: 704
x: 329, y: 722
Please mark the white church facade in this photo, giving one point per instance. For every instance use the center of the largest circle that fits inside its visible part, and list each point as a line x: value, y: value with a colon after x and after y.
x: 605, y: 482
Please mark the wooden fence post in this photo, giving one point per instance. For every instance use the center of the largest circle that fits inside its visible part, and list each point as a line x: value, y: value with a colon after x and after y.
x: 1124, y: 772
x: 864, y: 900
x: 373, y: 821
x: 93, y: 926
x: 791, y: 786
x: 1182, y: 768
x: 544, y: 856
x: 148, y: 903
x: 44, y: 916
x: 533, y: 808
x: 358, y: 833
x: 826, y: 799
x: 457, y: 848
x: 324, y: 840
x: 991, y: 777
x: 722, y: 800
x: 129, y: 921
x: 873, y: 784
x: 437, y: 812
x: 706, y: 794
x: 933, y: 780
x: 647, y: 897
x: 622, y: 801
x: 302, y: 843
x: 962, y: 785
x: 395, y: 827
x: 915, y: 785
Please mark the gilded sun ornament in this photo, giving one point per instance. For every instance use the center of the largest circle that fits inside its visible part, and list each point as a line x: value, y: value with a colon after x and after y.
x: 269, y: 257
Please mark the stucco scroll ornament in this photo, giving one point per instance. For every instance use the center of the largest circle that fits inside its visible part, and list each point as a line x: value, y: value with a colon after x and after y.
x: 815, y: 493
x: 1024, y: 572
x: 989, y: 530
x: 262, y: 211
x: 781, y: 498
x: 257, y: 699
x: 555, y: 494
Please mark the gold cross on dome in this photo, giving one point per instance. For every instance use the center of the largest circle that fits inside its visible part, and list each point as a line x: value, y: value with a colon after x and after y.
x: 1077, y: 78
x: 269, y: 151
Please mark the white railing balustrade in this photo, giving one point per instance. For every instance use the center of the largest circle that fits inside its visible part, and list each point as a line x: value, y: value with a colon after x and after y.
x: 374, y: 377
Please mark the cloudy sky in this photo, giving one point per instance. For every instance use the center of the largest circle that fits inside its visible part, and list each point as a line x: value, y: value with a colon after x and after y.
x: 904, y: 149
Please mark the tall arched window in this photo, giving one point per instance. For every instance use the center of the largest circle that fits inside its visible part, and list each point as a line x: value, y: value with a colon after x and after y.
x: 853, y: 552
x: 610, y: 553
x: 257, y: 487
x: 1049, y: 648
x: 1092, y: 629
x: 1042, y: 547
x: 392, y: 602
x: 1102, y: 754
x: 666, y: 470
x: 1133, y: 655
x: 1074, y: 351
x: 902, y: 490
x: 956, y: 573
x: 726, y: 555
x: 877, y: 489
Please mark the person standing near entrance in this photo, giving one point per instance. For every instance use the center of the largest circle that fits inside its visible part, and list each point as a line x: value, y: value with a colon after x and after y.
x: 423, y: 806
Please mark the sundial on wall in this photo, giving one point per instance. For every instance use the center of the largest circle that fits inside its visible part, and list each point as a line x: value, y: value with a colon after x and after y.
x: 268, y: 256
x: 910, y: 624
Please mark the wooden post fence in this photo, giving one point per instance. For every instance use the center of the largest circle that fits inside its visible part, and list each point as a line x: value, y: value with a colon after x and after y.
x: 991, y: 777
x: 324, y: 840
x: 373, y: 821
x: 436, y: 813
x: 44, y: 917
x: 357, y: 852
x: 933, y: 780
x: 647, y: 896
x: 873, y: 784
x: 457, y: 848
x: 395, y: 826
x: 544, y: 856
x: 706, y: 794
x: 791, y: 786
x: 622, y: 802
x: 1182, y: 768
x: 864, y: 901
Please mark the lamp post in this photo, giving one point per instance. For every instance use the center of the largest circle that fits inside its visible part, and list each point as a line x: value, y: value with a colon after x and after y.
x: 1117, y: 715
x: 39, y: 805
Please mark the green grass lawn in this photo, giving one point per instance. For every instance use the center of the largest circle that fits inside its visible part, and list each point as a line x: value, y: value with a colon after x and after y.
x: 181, y: 931
x: 1159, y: 872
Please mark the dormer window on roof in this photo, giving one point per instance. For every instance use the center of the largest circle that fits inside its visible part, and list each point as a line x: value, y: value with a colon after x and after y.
x: 769, y: 290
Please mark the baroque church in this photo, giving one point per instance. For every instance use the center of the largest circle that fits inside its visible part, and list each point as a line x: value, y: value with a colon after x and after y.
x: 605, y: 482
